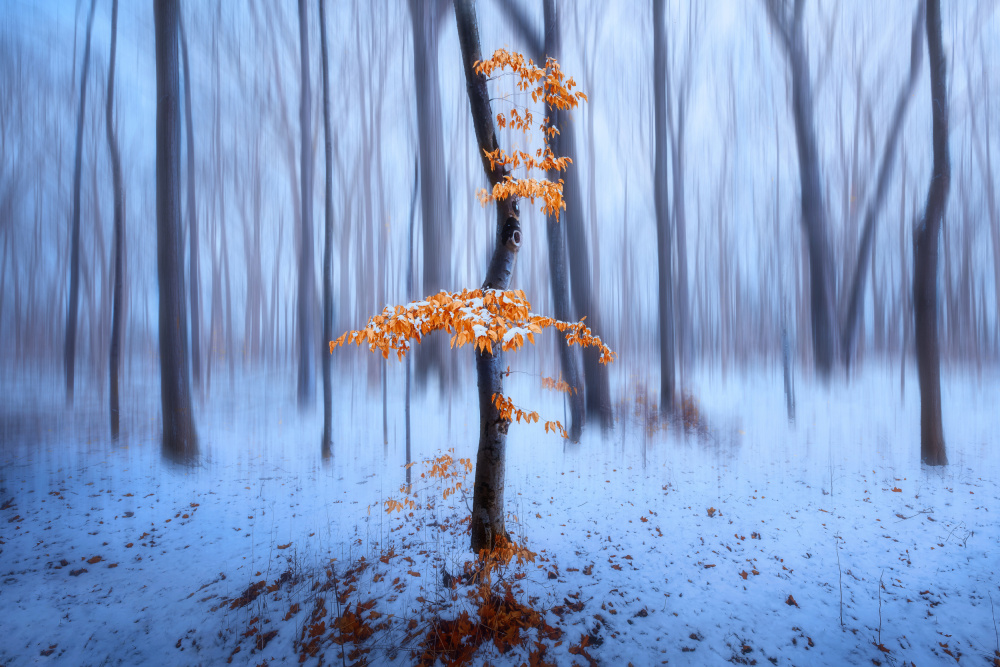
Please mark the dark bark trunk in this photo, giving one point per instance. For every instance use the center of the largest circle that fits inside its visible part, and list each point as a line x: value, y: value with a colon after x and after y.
x: 662, y: 206
x: 683, y: 324
x: 180, y: 442
x: 114, y: 361
x: 306, y: 319
x: 824, y: 330
x: 426, y: 16
x: 925, y: 253
x: 69, y: 350
x: 556, y: 236
x: 327, y: 443
x: 487, y: 525
x: 192, y: 211
x: 595, y: 374
x: 857, y: 289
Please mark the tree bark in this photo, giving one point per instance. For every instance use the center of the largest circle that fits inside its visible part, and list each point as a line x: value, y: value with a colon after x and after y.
x: 180, y: 441
x: 114, y: 361
x: 426, y: 16
x: 857, y: 289
x: 925, y: 253
x: 824, y: 330
x: 306, y: 318
x: 69, y: 350
x: 488, y: 498
x: 327, y: 443
x: 556, y: 236
x: 192, y: 211
x: 662, y: 207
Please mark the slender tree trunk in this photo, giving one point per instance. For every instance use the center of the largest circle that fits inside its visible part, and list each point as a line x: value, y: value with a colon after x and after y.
x: 662, y: 206
x: 327, y: 443
x: 69, y: 351
x: 426, y: 15
x: 556, y: 235
x: 114, y: 363
x: 857, y: 289
x: 410, y: 295
x: 192, y: 211
x: 488, y: 499
x: 925, y: 253
x: 306, y: 319
x: 180, y: 441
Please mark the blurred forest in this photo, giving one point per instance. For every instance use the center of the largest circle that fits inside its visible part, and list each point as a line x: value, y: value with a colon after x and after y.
x: 688, y: 144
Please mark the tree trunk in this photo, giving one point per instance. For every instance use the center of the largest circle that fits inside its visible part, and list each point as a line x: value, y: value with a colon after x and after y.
x: 69, y: 352
x: 180, y: 442
x: 327, y: 443
x: 662, y: 205
x: 856, y: 295
x: 925, y: 253
x: 306, y: 281
x: 824, y: 331
x: 556, y: 235
x: 426, y: 15
x: 488, y: 499
x: 192, y: 211
x: 114, y: 362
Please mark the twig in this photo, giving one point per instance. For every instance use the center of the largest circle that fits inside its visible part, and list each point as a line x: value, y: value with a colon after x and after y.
x: 840, y: 577
x: 880, y: 607
x: 995, y: 633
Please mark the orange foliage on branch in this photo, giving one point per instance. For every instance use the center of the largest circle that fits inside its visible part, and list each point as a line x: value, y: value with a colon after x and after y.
x: 482, y: 317
x: 549, y: 85
x: 511, y: 412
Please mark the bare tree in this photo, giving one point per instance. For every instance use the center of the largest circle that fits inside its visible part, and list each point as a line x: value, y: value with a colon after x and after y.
x: 925, y: 252
x: 556, y: 236
x: 555, y: 231
x: 69, y: 355
x: 180, y: 441
x: 662, y: 208
x: 306, y: 318
x: 114, y: 363
x: 856, y: 293
x: 788, y: 28
x: 327, y: 243
x: 192, y: 211
x: 427, y: 17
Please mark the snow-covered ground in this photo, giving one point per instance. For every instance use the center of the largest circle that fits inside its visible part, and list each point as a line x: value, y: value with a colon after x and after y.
x: 750, y: 541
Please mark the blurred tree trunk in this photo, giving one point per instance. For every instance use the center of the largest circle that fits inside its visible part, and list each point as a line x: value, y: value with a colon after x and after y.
x: 925, y: 253
x: 824, y: 331
x: 556, y: 235
x: 662, y: 206
x: 595, y: 374
x: 327, y: 244
x: 114, y: 363
x: 180, y: 442
x: 69, y: 350
x: 857, y: 288
x: 985, y: 161
x: 487, y: 525
x: 306, y: 318
x: 192, y: 211
x: 427, y: 17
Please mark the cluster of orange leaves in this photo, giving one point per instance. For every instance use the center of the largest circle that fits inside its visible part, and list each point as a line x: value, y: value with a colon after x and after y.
x: 444, y: 467
x: 547, y: 84
x: 510, y: 412
x: 558, y: 385
x: 482, y: 317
